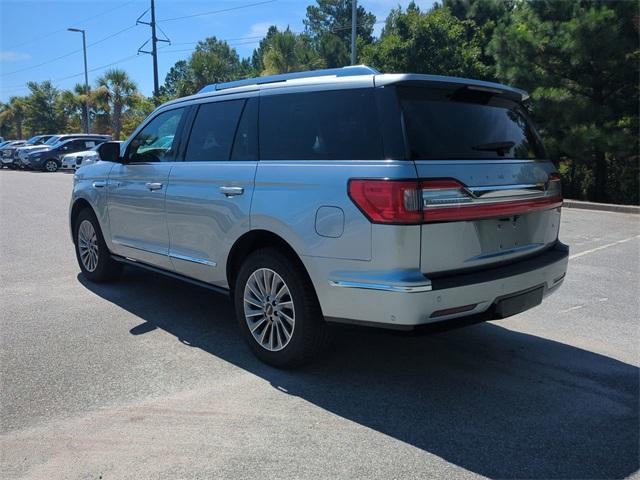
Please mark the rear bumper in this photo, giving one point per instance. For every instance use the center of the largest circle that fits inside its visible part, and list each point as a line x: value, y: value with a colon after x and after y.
x: 417, y: 300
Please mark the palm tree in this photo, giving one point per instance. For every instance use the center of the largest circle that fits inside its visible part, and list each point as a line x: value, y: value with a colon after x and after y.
x: 287, y: 52
x: 116, y: 92
x: 77, y: 103
x: 14, y: 112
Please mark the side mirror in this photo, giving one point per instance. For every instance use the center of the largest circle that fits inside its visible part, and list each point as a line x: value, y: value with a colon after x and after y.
x: 110, y: 152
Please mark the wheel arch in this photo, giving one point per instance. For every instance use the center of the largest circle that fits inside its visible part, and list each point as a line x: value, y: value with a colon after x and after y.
x: 79, y: 205
x: 255, y: 240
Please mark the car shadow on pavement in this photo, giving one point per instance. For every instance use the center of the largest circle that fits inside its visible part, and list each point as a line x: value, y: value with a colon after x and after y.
x: 493, y: 401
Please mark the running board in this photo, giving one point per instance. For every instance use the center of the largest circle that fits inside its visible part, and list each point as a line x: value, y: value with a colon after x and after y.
x: 177, y: 276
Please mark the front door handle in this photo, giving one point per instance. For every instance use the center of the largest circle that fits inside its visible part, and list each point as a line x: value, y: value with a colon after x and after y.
x: 154, y: 186
x: 231, y: 191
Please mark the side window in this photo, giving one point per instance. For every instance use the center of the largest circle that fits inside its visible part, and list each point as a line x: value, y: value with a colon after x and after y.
x: 245, y: 146
x: 327, y: 125
x: 154, y: 143
x: 88, y: 144
x: 213, y: 130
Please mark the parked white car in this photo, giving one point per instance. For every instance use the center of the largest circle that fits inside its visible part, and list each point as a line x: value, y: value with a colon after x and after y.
x: 73, y: 161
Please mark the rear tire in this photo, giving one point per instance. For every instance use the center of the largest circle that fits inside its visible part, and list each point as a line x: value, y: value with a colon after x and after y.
x: 92, y: 252
x: 277, y: 310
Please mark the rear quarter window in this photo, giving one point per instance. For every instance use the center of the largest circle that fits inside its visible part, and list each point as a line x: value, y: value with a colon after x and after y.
x: 463, y: 124
x: 325, y: 125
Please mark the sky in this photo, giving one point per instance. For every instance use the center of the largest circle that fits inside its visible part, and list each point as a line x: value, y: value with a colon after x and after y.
x: 36, y: 46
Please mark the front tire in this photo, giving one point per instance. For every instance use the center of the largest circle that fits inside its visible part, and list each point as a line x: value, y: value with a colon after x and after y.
x: 277, y: 310
x: 92, y: 252
x: 50, y: 166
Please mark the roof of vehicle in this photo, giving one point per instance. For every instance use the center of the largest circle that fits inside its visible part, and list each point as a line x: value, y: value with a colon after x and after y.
x: 77, y: 135
x: 66, y: 139
x: 357, y: 75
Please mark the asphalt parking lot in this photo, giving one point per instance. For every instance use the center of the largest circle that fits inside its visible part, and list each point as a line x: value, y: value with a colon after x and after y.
x: 147, y: 378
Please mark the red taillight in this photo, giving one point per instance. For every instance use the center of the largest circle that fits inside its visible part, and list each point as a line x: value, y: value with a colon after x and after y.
x: 442, y: 200
x: 388, y: 201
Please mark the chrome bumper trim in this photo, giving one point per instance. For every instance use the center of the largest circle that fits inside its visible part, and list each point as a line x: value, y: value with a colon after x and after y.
x: 381, y: 286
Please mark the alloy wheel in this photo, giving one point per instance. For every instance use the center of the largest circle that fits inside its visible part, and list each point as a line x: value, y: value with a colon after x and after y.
x: 88, y: 245
x: 269, y: 310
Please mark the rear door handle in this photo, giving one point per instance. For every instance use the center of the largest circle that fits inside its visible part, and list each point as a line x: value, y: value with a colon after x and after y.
x: 231, y: 191
x: 154, y: 186
x: 99, y: 184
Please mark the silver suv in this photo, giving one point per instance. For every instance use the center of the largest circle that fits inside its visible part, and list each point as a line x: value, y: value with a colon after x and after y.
x: 342, y: 195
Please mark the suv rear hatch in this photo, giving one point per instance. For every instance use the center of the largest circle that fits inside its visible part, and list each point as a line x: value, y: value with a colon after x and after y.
x: 489, y: 194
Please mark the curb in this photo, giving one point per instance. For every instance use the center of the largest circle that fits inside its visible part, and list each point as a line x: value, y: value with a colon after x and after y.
x: 606, y: 207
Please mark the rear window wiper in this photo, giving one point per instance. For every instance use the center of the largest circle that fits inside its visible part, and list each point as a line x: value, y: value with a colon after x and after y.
x: 501, y: 148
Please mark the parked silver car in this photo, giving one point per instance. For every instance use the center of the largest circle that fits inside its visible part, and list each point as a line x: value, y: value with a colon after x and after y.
x: 343, y: 195
x: 73, y: 161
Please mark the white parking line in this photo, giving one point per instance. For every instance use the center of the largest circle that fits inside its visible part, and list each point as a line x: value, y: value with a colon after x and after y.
x: 602, y: 247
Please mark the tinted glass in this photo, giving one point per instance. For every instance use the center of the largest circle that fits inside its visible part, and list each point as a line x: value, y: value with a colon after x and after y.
x: 331, y: 125
x: 466, y: 124
x: 154, y: 143
x: 53, y: 140
x: 213, y: 131
x: 245, y: 146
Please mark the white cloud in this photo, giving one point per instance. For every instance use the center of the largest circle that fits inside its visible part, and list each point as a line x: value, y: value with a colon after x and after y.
x: 9, y: 56
x: 260, y: 28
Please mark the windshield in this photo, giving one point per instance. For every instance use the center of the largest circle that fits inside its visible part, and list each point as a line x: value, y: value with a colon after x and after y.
x: 53, y: 140
x: 34, y: 140
x: 465, y: 124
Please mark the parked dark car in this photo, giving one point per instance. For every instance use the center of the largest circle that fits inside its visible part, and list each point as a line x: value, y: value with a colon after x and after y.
x: 6, y: 152
x: 50, y: 159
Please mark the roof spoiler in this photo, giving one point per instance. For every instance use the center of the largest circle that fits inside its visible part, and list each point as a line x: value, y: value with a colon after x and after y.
x: 350, y: 71
x: 453, y: 82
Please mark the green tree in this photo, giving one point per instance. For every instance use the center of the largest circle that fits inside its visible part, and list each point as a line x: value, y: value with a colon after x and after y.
x: 289, y: 52
x: 213, y: 61
x: 579, y: 60
x: 432, y: 42
x: 258, y: 53
x: 175, y: 79
x: 43, y: 110
x: 482, y: 18
x: 335, y: 16
x: 116, y: 93
x: 139, y: 109
x: 328, y: 24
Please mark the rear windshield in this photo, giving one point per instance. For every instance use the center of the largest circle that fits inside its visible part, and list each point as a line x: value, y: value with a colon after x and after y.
x: 464, y: 124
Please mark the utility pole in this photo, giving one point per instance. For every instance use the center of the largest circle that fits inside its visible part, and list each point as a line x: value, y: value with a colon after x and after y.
x: 87, y: 124
x: 354, y: 21
x: 154, y: 49
x: 154, y: 46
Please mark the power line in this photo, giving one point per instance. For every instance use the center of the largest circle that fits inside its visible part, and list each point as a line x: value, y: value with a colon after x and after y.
x: 68, y: 54
x: 222, y: 40
x: 202, y: 14
x: 47, y: 35
x: 111, y: 64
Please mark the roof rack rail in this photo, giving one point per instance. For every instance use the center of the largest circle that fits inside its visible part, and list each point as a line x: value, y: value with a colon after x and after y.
x: 349, y: 71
